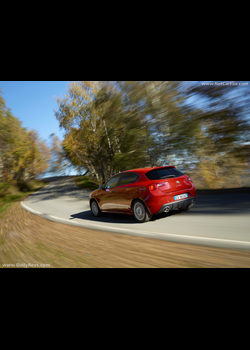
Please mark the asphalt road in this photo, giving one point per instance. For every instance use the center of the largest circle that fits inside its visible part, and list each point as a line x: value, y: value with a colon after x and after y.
x: 217, y: 219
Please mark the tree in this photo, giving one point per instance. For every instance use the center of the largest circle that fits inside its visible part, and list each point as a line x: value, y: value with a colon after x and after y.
x: 23, y: 155
x: 114, y: 126
x: 39, y: 155
x: 58, y: 160
x: 223, y: 136
x: 83, y: 126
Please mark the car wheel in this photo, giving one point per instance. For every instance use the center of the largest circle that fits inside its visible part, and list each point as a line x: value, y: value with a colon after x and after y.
x: 140, y: 212
x: 95, y: 208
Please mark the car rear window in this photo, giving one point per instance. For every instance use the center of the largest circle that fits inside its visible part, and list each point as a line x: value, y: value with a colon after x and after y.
x: 167, y: 173
x: 129, y: 178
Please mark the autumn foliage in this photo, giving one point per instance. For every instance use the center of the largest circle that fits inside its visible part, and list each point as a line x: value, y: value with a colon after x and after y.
x: 115, y: 126
x: 23, y: 155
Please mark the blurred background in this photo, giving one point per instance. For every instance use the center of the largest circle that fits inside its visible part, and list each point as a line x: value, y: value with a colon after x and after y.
x: 106, y: 127
x: 97, y: 129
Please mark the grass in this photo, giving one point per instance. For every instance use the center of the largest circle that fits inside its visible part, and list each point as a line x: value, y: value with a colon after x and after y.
x: 29, y: 239
x: 86, y: 182
x: 10, y: 194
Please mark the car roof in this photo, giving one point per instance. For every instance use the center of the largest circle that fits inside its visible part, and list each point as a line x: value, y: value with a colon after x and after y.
x: 142, y: 170
x: 145, y: 170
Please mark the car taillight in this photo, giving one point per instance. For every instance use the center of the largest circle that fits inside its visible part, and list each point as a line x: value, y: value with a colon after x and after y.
x: 189, y: 179
x: 152, y: 187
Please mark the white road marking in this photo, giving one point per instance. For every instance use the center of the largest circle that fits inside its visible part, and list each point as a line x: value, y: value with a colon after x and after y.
x: 159, y: 233
x: 29, y: 209
x: 102, y: 228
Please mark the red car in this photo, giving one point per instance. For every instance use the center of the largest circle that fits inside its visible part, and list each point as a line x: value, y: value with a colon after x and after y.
x: 144, y: 192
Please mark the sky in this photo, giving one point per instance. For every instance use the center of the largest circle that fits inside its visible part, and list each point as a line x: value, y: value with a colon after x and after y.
x: 33, y: 103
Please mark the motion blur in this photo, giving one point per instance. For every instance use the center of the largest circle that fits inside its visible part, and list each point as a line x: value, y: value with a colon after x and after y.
x: 200, y: 127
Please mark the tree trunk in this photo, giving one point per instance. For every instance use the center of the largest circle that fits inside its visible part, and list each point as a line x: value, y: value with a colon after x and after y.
x: 92, y: 169
x: 19, y: 176
x: 102, y: 166
x: 1, y: 168
x: 102, y: 170
x: 110, y: 146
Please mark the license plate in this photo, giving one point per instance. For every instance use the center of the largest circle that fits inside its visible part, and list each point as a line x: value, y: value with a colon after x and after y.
x: 180, y: 196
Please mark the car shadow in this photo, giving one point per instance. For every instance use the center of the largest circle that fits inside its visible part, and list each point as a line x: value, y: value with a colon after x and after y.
x: 105, y: 217
x: 116, y: 218
x: 165, y: 215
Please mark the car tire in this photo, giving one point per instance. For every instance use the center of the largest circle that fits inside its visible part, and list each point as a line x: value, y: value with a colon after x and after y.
x: 140, y: 211
x: 95, y: 208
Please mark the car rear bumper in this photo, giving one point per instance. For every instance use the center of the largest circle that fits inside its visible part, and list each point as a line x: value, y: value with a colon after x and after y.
x: 180, y: 204
x: 157, y: 200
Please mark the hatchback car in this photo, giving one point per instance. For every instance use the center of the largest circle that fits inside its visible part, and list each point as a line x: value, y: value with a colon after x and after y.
x: 144, y: 192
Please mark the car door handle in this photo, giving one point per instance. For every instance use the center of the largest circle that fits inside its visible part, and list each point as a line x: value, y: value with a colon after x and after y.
x: 112, y: 191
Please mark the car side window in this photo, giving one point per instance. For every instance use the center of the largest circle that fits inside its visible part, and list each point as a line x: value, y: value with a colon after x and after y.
x: 113, y: 182
x: 128, y: 178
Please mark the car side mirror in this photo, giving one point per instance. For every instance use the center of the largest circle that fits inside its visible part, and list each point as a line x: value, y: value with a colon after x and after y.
x: 102, y: 187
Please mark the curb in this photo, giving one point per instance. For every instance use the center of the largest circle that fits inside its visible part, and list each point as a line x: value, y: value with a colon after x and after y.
x: 177, y: 238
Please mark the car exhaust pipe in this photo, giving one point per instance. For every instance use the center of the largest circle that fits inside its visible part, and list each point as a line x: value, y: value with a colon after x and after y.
x: 166, y: 210
x: 191, y: 204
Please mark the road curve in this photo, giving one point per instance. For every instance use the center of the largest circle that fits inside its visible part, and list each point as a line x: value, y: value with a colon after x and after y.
x: 216, y: 220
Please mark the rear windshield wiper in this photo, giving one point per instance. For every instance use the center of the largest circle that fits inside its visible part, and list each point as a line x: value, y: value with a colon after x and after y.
x: 164, y: 177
